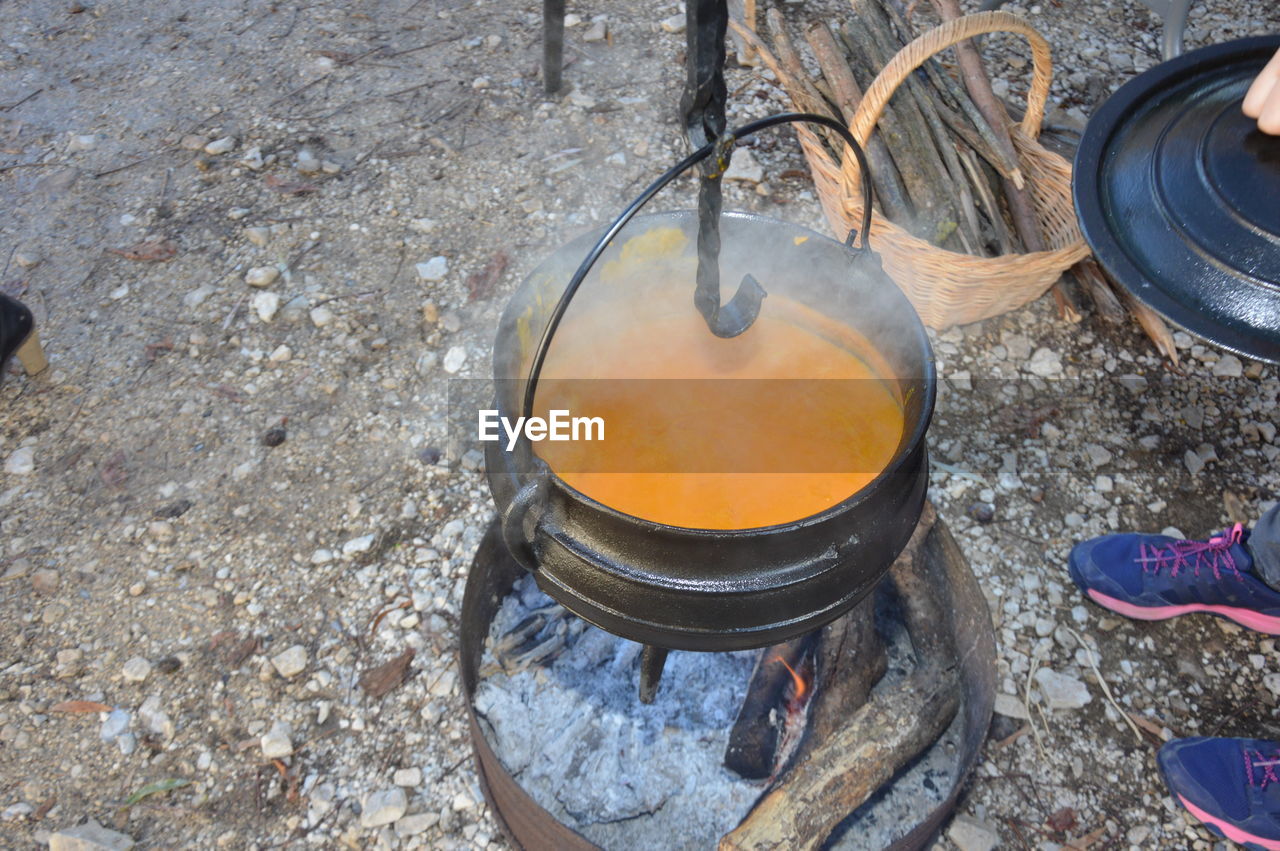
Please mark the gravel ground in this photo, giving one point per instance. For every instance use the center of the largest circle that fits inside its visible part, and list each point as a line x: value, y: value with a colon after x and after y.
x: 223, y: 515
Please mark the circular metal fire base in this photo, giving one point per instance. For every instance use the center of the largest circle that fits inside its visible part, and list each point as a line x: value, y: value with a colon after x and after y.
x: 529, y: 826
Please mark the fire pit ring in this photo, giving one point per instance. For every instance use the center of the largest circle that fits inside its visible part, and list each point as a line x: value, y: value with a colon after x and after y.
x: 527, y: 825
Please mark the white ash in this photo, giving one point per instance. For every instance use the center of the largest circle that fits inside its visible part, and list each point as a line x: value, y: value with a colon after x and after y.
x: 577, y: 738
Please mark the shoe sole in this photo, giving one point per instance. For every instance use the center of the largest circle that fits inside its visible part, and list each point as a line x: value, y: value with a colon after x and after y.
x: 1245, y: 617
x: 1230, y: 831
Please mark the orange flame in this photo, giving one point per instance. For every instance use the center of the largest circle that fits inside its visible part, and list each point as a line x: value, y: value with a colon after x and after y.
x: 798, y: 681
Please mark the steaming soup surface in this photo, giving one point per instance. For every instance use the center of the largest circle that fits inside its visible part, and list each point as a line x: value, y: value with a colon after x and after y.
x: 796, y: 446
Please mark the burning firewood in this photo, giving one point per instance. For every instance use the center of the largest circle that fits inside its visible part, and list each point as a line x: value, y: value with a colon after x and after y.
x: 914, y: 737
x: 776, y: 693
x: 853, y: 746
x: 851, y: 655
x: 849, y: 659
x: 795, y: 714
x: 835, y: 777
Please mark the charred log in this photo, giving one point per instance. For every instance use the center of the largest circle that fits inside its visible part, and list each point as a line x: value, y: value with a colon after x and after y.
x: 753, y: 743
x: 836, y: 776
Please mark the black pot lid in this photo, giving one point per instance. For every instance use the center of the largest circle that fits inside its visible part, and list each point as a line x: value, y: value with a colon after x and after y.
x: 1178, y: 194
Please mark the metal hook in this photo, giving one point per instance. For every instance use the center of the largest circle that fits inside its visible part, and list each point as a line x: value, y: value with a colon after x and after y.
x: 731, y: 319
x: 703, y: 105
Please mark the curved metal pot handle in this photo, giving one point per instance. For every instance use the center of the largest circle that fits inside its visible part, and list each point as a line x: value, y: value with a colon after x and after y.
x: 530, y: 499
x: 726, y: 141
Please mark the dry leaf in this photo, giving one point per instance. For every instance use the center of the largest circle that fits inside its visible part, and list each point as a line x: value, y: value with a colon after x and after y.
x: 43, y: 809
x: 284, y: 187
x: 242, y: 651
x: 292, y: 793
x: 377, y: 619
x: 226, y: 391
x: 1063, y: 820
x: 1013, y: 737
x: 157, y: 788
x: 378, y: 681
x: 112, y: 471
x: 1157, y: 730
x: 149, y: 250
x: 1083, y: 843
x: 219, y: 638
x: 79, y: 706
x: 339, y: 56
x: 480, y: 284
x: 1237, y: 508
x: 155, y: 350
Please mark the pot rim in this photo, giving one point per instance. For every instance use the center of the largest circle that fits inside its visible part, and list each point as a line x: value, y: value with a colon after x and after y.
x: 900, y: 456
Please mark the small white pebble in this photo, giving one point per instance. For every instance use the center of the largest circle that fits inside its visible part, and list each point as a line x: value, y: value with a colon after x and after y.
x: 261, y: 276
x: 321, y: 316
x: 454, y: 359
x: 434, y: 269
x: 408, y: 777
x: 22, y: 462
x: 266, y: 305
x: 220, y: 146
x: 136, y: 670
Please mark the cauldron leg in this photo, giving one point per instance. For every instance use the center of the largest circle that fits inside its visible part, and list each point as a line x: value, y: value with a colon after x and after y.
x: 652, y: 661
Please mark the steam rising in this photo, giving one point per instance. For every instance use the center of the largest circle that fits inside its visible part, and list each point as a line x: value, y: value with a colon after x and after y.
x: 634, y: 318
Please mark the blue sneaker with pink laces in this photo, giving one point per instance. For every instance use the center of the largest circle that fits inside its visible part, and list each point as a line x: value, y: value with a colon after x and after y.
x: 1230, y: 785
x: 1154, y: 577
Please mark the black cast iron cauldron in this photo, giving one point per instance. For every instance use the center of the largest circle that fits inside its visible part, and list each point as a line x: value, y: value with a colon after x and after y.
x: 698, y: 589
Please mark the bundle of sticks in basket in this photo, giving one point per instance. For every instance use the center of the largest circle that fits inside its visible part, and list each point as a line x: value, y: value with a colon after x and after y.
x: 938, y: 166
x: 946, y: 166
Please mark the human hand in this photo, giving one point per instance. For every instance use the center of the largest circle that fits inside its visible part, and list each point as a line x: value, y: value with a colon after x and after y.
x: 1263, y: 100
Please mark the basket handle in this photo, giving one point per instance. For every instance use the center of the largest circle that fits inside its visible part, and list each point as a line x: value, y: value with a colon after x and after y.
x: 940, y: 38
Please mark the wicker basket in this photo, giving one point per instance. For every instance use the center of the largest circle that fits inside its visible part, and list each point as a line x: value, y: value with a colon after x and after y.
x: 948, y: 287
